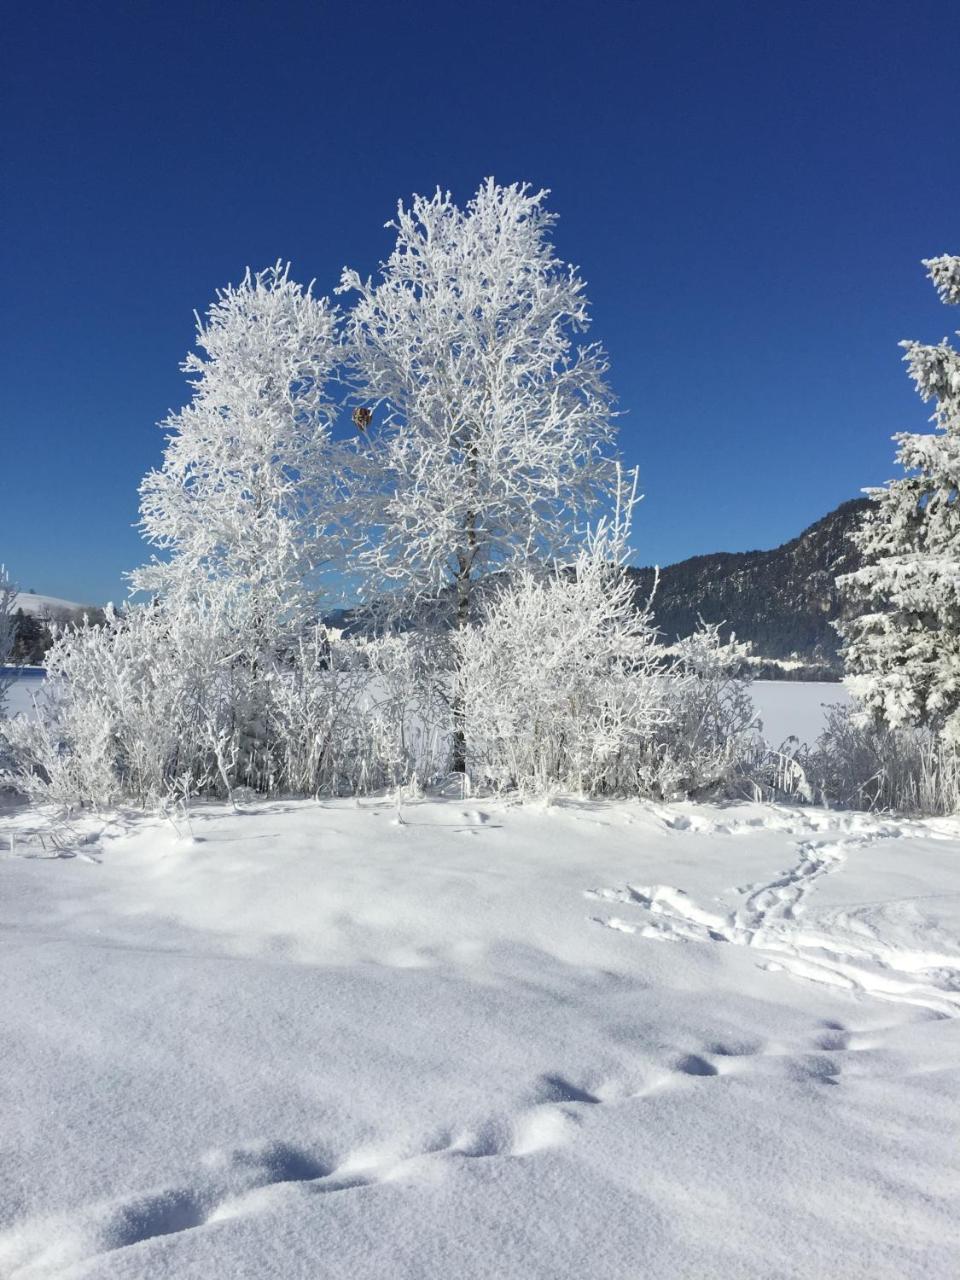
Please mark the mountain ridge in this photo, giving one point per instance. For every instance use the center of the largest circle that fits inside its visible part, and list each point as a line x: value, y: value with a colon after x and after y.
x: 783, y: 600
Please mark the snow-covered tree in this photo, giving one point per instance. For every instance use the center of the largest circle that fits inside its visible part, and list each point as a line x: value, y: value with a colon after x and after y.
x: 902, y: 654
x: 496, y: 428
x: 244, y: 508
x: 244, y: 494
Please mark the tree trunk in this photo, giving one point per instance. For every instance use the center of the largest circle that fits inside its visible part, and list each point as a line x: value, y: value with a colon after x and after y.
x: 465, y: 559
x: 459, y: 708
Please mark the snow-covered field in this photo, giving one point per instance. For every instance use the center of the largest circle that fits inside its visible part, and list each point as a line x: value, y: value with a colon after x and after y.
x: 576, y: 1040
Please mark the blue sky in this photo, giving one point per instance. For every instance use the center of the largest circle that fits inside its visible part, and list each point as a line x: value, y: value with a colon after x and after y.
x: 748, y: 188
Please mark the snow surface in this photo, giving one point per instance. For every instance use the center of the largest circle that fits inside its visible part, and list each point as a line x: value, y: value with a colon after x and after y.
x: 569, y: 1040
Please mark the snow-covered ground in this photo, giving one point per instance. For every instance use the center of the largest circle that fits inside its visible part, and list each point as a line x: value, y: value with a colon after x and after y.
x: 578, y: 1040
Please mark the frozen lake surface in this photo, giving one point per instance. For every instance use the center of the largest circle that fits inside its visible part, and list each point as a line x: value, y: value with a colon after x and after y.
x: 21, y: 693
x: 795, y: 707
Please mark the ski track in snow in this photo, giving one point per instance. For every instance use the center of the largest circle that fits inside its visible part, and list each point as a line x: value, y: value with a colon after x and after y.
x: 843, y: 950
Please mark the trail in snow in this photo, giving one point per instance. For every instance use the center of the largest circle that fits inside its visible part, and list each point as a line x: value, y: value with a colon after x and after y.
x: 241, y: 1042
x: 842, y: 948
x: 255, y: 1179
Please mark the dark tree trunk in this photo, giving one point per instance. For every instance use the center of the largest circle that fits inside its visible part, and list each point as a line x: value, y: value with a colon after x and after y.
x: 459, y: 709
x: 464, y: 585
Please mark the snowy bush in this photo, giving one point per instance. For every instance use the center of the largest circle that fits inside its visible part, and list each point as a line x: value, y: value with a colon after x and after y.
x: 128, y: 708
x: 560, y: 680
x: 565, y: 686
x: 708, y: 735
x: 151, y: 707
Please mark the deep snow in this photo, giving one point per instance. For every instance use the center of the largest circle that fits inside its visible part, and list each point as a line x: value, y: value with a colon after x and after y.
x: 583, y: 1039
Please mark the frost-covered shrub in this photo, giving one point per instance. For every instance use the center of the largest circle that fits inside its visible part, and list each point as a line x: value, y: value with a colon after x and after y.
x: 352, y: 715
x: 707, y: 737
x: 561, y: 680
x: 128, y: 708
x: 158, y: 704
x: 406, y: 709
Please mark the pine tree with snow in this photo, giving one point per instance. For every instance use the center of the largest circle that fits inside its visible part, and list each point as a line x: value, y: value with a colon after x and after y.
x: 902, y: 654
x: 495, y: 427
x: 244, y: 495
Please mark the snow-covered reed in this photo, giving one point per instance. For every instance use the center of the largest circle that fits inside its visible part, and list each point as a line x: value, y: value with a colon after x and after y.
x: 909, y: 769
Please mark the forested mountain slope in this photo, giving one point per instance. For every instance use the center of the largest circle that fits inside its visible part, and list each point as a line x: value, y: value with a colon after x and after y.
x: 782, y: 600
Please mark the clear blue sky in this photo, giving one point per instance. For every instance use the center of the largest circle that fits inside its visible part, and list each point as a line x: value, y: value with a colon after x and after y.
x: 748, y: 188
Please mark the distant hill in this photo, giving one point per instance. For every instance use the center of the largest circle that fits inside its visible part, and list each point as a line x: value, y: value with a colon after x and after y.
x: 783, y: 600
x: 44, y: 606
x: 35, y: 618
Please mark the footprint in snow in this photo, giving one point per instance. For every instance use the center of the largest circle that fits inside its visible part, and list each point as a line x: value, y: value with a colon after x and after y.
x: 693, y: 1065
x: 555, y: 1088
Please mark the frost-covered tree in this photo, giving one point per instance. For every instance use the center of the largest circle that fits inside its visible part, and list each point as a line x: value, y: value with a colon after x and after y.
x: 902, y: 654
x: 244, y: 495
x: 496, y: 427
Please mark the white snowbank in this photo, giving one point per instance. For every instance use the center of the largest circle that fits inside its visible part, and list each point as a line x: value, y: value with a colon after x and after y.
x: 307, y: 1041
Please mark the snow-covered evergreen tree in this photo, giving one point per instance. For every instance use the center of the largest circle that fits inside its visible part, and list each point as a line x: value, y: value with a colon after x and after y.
x: 496, y: 427
x: 902, y: 654
x: 244, y: 495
